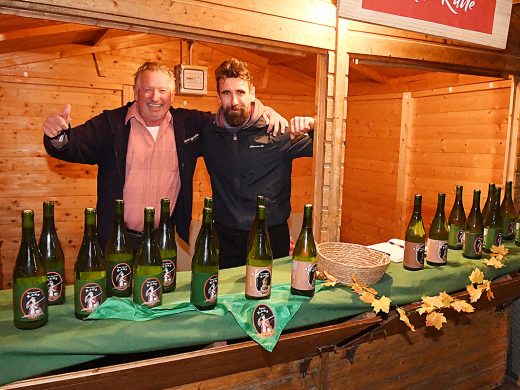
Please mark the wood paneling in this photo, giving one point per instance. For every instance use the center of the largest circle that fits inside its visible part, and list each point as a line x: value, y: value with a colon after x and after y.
x: 453, y: 136
x: 28, y: 176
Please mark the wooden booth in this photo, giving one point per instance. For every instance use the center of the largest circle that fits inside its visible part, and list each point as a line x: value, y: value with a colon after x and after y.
x: 398, y: 113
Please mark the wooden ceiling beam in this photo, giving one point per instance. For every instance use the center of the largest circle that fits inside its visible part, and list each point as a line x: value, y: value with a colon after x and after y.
x: 73, y: 50
x: 27, y: 33
x: 369, y: 73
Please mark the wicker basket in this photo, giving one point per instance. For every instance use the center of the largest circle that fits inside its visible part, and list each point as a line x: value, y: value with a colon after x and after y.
x: 342, y: 260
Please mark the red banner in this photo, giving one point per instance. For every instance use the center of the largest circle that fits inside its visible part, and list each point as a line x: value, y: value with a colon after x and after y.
x: 473, y: 15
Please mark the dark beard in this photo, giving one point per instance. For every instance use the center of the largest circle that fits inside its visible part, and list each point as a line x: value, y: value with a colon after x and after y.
x: 236, y: 118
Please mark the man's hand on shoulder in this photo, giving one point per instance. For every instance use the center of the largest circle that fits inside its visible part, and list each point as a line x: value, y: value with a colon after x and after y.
x: 300, y: 125
x: 55, y: 124
x: 275, y: 122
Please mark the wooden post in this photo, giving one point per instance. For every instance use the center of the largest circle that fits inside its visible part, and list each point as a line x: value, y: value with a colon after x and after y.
x: 319, y: 141
x: 513, y: 131
x: 335, y: 135
x: 404, y: 163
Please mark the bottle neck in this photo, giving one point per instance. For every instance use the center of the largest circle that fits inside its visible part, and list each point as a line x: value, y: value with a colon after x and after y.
x: 417, y: 206
x: 476, y: 200
x: 48, y: 216
x: 458, y: 196
x: 440, y: 205
x: 28, y: 228
x: 307, y: 218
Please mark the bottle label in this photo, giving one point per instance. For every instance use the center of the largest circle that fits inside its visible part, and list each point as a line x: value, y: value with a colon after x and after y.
x: 492, y: 236
x: 303, y: 276
x: 472, y: 244
x: 456, y: 236
x: 88, y: 295
x: 29, y: 299
x: 437, y: 251
x: 120, y: 276
x: 509, y: 228
x: 204, y: 288
x: 55, y: 283
x: 413, y: 255
x: 169, y: 271
x: 258, y: 281
x: 517, y: 232
x: 148, y: 290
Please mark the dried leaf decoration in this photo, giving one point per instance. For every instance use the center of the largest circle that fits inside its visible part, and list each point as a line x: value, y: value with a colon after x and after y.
x: 474, y: 292
x: 381, y: 304
x: 403, y: 317
x: 494, y: 262
x: 436, y: 319
x: 330, y: 281
x: 460, y: 305
x: 499, y: 250
x: 477, y: 276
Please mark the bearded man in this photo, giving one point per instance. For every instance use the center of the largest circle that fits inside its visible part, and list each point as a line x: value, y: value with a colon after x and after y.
x: 244, y: 160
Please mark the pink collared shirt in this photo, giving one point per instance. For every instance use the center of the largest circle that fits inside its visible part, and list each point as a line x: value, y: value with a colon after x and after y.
x: 152, y: 169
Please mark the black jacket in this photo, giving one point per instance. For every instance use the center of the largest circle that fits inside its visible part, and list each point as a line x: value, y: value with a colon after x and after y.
x: 250, y: 163
x: 103, y: 140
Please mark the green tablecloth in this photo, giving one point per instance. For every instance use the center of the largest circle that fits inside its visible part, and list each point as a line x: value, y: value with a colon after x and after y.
x: 66, y: 341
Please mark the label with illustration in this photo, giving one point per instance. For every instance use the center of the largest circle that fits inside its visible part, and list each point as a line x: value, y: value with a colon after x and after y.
x: 258, y: 281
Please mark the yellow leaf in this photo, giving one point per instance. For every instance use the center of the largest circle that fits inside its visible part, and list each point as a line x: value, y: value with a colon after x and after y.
x: 499, y: 250
x: 425, y: 308
x: 435, y: 319
x: 494, y: 262
x: 435, y: 302
x: 403, y: 317
x: 446, y: 299
x: 477, y: 276
x: 474, y: 293
x: 381, y: 304
x: 329, y: 284
x: 499, y: 257
x: 330, y: 277
x: 490, y: 295
x: 460, y: 305
x: 367, y: 298
x: 357, y: 288
x: 371, y: 290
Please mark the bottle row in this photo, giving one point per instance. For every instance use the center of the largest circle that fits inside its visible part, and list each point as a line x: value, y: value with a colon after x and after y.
x: 497, y: 221
x: 39, y: 272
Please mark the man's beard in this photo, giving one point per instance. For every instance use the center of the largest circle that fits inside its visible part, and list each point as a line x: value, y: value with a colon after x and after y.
x: 236, y: 118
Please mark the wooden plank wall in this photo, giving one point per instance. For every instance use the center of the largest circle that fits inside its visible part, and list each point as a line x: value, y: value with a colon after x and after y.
x: 28, y: 176
x: 457, y: 135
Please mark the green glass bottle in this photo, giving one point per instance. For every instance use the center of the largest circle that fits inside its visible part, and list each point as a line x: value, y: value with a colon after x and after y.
x: 52, y: 256
x: 507, y: 210
x: 259, y: 261
x: 437, y: 249
x: 89, y: 270
x: 474, y: 230
x: 303, y: 275
x: 489, y: 202
x: 493, y: 225
x: 204, y: 266
x: 165, y: 238
x: 457, y: 222
x: 415, y: 238
x: 119, y: 256
x: 208, y: 202
x: 260, y: 201
x: 148, y: 271
x: 30, y: 308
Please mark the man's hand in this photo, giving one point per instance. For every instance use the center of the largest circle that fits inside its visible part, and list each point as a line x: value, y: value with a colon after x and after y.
x: 301, y: 125
x: 55, y: 124
x: 275, y: 122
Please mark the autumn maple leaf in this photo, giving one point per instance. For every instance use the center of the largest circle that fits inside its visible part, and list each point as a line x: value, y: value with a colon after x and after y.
x: 381, y: 304
x: 436, y: 301
x: 403, y: 317
x: 494, y: 262
x: 474, y: 293
x: 499, y: 250
x: 446, y: 299
x: 461, y: 305
x: 367, y: 298
x: 477, y: 276
x: 435, y: 319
